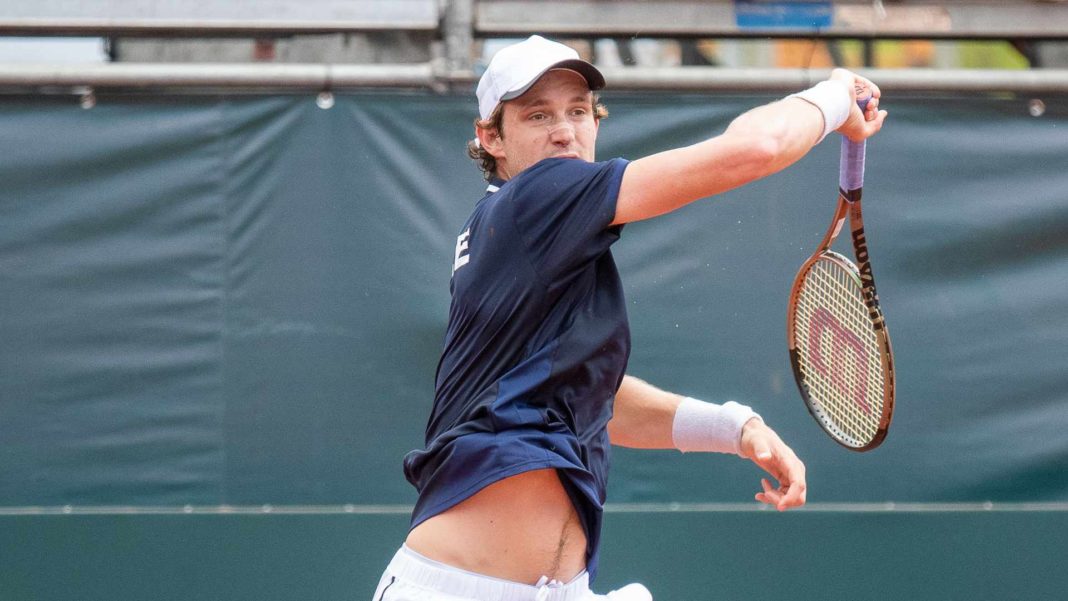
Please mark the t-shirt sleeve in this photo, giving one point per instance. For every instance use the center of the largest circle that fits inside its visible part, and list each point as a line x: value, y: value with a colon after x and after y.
x: 563, y: 208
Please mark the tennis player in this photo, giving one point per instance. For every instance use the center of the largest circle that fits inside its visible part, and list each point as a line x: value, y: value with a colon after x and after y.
x: 531, y: 387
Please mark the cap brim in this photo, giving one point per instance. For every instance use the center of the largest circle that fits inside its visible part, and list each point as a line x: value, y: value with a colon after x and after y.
x: 593, y: 77
x: 585, y: 69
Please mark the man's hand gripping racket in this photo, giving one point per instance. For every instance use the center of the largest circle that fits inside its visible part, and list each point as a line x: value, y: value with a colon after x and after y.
x: 836, y: 333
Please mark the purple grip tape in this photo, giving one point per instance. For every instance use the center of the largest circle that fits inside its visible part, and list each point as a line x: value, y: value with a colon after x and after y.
x: 851, y: 166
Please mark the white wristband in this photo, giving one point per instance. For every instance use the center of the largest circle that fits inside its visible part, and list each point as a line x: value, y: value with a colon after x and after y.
x: 833, y: 99
x: 708, y: 427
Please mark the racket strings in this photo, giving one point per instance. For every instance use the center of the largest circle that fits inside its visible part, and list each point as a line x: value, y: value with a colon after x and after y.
x: 838, y: 353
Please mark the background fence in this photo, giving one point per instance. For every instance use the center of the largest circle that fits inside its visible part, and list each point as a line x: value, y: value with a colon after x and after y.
x: 220, y: 317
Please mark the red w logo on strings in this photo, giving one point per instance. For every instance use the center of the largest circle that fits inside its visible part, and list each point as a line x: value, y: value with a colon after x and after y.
x: 845, y: 346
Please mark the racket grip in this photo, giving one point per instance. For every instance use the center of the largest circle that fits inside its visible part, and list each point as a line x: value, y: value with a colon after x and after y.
x: 851, y: 165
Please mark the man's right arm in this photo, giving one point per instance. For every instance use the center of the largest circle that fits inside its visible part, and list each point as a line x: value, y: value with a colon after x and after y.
x: 758, y: 143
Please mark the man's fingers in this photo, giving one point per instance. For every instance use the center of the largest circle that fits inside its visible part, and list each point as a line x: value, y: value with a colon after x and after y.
x: 877, y: 123
x: 792, y: 491
x: 771, y: 461
x: 794, y: 497
x: 776, y: 498
x: 794, y: 485
x: 872, y: 110
x: 875, y: 91
x: 779, y: 461
x: 871, y: 117
x: 770, y: 495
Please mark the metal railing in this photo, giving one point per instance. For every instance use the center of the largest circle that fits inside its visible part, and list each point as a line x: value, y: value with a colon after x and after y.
x: 925, y: 19
x: 459, y: 24
x: 64, y: 78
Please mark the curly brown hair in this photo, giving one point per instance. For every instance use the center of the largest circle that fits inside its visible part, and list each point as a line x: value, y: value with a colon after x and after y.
x: 486, y: 161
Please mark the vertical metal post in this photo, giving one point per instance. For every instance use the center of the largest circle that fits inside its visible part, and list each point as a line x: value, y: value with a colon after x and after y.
x: 459, y: 28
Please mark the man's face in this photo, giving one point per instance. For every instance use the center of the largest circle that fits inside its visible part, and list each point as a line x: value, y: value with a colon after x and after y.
x: 554, y: 118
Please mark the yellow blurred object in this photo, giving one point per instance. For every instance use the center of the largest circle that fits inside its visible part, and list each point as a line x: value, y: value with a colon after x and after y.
x: 990, y: 55
x: 798, y: 54
x: 887, y: 54
x: 896, y: 54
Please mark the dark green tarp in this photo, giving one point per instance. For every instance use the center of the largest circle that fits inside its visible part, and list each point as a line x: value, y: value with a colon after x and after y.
x: 238, y: 300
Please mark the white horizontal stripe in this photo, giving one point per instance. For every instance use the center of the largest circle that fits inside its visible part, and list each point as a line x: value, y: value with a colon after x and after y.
x: 209, y: 510
x: 888, y: 507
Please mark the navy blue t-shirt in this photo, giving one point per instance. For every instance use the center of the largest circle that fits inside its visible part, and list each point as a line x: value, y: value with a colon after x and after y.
x: 537, y: 343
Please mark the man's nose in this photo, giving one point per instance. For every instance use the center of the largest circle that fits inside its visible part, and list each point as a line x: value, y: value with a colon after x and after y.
x: 561, y: 132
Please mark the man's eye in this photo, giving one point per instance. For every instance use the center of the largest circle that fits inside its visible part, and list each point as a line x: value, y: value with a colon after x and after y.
x: 537, y: 116
x: 578, y: 112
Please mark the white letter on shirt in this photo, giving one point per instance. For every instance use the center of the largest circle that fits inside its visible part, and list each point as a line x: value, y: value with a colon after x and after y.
x: 461, y: 250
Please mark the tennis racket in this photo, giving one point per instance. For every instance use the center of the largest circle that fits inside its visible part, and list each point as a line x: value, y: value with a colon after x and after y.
x: 836, y: 333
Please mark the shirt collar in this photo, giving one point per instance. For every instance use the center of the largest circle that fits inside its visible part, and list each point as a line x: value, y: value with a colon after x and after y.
x: 495, y: 184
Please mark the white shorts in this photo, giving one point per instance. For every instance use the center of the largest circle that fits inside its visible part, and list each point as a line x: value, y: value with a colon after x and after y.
x: 412, y: 577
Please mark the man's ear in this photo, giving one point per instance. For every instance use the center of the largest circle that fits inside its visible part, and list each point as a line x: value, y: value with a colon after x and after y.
x: 489, y: 138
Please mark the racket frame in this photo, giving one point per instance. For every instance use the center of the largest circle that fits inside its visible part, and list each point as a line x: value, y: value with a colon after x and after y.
x: 849, y: 203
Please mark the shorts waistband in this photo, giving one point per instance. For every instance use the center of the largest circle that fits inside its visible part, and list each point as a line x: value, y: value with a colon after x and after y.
x: 409, y: 566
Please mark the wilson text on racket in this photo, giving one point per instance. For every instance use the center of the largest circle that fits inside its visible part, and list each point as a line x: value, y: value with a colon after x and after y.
x: 871, y: 299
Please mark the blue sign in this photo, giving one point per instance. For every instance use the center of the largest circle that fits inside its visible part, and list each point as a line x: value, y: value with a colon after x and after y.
x: 758, y: 14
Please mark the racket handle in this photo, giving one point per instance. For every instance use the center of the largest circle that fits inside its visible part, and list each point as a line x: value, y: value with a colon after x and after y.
x: 851, y: 166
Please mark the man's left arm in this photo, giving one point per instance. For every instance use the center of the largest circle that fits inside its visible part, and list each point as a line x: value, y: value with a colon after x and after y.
x: 646, y: 417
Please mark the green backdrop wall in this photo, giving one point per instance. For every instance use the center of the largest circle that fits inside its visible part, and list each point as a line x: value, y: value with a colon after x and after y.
x: 238, y: 301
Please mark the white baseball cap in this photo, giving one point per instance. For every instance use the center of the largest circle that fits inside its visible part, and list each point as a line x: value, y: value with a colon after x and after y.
x: 515, y: 68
